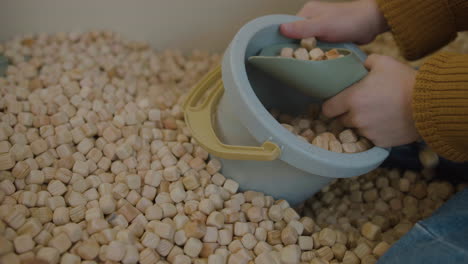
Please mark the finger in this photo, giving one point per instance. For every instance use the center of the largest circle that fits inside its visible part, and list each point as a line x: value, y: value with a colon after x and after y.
x: 371, y: 61
x: 308, y: 9
x: 305, y: 13
x: 300, y: 29
x: 347, y: 120
x: 338, y: 104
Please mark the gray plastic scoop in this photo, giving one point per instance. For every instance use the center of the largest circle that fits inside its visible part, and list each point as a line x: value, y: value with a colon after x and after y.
x: 319, y: 79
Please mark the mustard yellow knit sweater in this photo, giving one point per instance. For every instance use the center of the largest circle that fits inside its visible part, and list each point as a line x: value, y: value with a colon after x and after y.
x: 440, y: 97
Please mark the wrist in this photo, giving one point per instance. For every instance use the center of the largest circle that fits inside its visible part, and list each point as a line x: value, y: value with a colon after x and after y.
x: 379, y: 18
x: 376, y: 22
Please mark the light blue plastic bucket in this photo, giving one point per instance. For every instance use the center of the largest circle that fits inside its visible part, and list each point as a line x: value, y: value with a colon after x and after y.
x: 242, y: 118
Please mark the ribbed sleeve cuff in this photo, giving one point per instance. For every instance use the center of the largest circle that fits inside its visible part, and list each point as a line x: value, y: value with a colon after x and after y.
x: 419, y: 26
x: 440, y: 104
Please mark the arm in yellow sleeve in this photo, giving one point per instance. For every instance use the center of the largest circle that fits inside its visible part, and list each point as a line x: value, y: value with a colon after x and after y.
x: 440, y: 105
x: 440, y: 96
x: 423, y: 26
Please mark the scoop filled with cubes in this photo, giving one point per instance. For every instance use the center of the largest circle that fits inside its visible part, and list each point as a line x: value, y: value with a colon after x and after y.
x: 318, y: 69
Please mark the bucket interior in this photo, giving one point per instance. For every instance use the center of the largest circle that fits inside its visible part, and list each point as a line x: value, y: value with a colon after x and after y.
x: 270, y: 92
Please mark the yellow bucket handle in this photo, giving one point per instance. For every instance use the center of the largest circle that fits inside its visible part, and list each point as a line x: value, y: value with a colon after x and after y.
x: 199, y: 119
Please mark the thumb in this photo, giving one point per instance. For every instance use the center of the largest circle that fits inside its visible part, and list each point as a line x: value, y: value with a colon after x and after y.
x: 371, y: 61
x: 338, y: 104
x: 300, y: 29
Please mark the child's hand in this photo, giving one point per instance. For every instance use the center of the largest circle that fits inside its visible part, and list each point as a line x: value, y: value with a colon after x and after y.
x: 379, y: 106
x: 358, y: 21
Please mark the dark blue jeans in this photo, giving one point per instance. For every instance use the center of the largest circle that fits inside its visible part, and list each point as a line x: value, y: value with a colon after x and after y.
x: 442, y: 238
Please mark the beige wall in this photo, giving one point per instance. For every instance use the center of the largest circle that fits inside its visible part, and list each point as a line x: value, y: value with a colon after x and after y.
x: 181, y: 23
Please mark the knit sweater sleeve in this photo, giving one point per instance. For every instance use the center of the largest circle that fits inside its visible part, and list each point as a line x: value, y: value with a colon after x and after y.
x: 440, y: 95
x: 440, y: 105
x: 423, y: 26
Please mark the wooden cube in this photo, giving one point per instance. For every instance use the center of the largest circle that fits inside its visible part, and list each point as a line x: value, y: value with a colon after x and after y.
x: 193, y: 247
x: 180, y: 238
x: 213, y: 166
x: 115, y: 251
x: 316, y: 54
x: 111, y: 134
x: 68, y: 258
x: 49, y: 254
x: 301, y: 54
x: 241, y: 256
x: 148, y: 256
x: 327, y: 237
x: 274, y: 237
x: 290, y: 254
x: 131, y: 255
x: 178, y: 194
x: 286, y: 52
x: 321, y: 142
x: 31, y: 227
x: 349, y: 147
x: 38, y: 146
x: 362, y: 250
x: 61, y: 242
x: 23, y: 243
x: 339, y: 251
x: 211, y: 234
x: 216, y: 259
x: 88, y: 250
x: 369, y: 259
x: 15, y: 219
x: 350, y: 258
x: 218, y: 179
x: 181, y: 259
x: 61, y: 216
x: 215, y: 219
x: 298, y: 226
x: 96, y: 225
x: 231, y: 186
x: 171, y: 173
x: 73, y: 231
x: 306, y: 242
x: 85, y: 146
x: 164, y: 247
x: 163, y: 230
x: 335, y: 146
x: 249, y: 241
x: 348, y: 136
x: 59, y: 118
x: 150, y: 240
x: 332, y: 54
x: 309, y: 43
x: 81, y: 167
x: 289, y: 235
x: 28, y: 198
x: 325, y: 253
x: 21, y: 170
x: 380, y: 249
x: 370, y: 230
x: 290, y: 214
x: 133, y: 181
x: 224, y: 237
